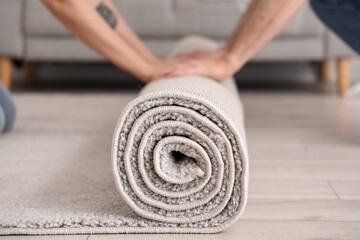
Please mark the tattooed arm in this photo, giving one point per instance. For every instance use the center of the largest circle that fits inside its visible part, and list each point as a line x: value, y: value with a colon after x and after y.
x: 100, y: 26
x: 110, y: 13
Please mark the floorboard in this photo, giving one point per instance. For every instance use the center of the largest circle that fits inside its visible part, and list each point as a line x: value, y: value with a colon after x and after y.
x: 291, y: 189
x: 347, y: 189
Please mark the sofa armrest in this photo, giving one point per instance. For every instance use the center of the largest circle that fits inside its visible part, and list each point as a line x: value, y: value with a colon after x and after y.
x: 11, y: 28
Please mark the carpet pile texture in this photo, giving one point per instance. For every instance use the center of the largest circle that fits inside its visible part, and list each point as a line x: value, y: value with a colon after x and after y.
x: 179, y: 160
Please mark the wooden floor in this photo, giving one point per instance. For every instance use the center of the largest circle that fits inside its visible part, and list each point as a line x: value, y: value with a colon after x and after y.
x: 304, y: 171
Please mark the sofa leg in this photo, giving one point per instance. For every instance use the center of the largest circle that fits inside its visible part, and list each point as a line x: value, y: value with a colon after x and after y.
x: 30, y: 71
x: 325, y: 70
x: 5, y: 71
x: 343, y: 74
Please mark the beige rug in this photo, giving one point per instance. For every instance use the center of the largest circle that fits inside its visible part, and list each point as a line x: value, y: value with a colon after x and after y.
x: 179, y: 160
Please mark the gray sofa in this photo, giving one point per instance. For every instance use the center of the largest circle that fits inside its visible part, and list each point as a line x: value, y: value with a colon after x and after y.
x: 29, y: 32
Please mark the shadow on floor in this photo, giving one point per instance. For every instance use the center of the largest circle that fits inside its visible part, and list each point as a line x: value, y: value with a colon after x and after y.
x: 90, y: 77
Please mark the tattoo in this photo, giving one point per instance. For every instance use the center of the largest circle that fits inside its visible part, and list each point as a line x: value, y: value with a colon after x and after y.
x: 107, y: 14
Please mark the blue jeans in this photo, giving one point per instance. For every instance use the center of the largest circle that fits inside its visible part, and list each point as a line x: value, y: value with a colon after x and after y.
x: 341, y: 16
x: 7, y: 110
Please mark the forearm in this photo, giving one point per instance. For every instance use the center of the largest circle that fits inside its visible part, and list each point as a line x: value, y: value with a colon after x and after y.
x: 263, y: 20
x: 123, y: 29
x: 82, y: 19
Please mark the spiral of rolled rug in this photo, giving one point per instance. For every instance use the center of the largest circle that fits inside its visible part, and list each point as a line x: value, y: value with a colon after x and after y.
x: 179, y: 152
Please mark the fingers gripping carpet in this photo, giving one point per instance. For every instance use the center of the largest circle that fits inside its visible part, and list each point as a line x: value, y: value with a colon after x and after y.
x: 179, y: 160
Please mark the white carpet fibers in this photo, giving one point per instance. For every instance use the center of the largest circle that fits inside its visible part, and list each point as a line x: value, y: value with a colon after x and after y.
x: 56, y: 169
x: 61, y: 183
x: 56, y: 162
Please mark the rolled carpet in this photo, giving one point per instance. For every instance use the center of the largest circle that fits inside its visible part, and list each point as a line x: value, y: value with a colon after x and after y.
x: 179, y: 152
x: 179, y: 158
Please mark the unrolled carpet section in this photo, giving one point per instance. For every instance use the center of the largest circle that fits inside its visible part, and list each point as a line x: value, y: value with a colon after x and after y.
x: 180, y: 155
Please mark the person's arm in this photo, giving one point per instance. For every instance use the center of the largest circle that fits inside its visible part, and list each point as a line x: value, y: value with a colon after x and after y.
x: 261, y: 22
x: 110, y: 13
x: 120, y: 45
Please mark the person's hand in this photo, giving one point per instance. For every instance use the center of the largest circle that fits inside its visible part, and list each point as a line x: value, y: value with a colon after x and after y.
x: 198, y: 53
x: 214, y: 64
x: 159, y: 69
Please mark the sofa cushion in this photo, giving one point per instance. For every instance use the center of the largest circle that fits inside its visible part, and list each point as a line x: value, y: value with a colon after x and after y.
x: 69, y: 49
x: 11, y: 35
x: 39, y: 21
x: 171, y: 18
x: 215, y: 18
x: 218, y: 18
x: 146, y: 17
